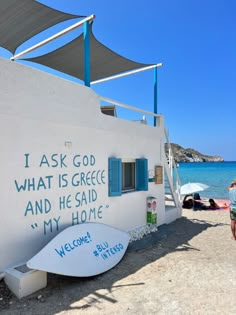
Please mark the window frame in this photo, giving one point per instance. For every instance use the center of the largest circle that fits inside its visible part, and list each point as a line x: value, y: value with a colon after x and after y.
x: 115, y: 176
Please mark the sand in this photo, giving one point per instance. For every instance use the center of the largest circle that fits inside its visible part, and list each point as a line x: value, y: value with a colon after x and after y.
x: 188, y: 267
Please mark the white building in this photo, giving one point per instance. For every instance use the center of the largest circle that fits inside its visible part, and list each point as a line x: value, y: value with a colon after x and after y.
x: 64, y: 162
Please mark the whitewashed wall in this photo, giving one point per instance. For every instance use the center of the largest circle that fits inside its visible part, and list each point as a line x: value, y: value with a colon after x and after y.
x: 43, y: 118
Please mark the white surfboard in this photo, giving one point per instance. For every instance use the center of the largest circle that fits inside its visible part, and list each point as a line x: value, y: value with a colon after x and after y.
x: 82, y: 250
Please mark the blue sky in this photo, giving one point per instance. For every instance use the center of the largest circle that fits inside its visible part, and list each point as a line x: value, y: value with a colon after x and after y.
x: 196, y: 42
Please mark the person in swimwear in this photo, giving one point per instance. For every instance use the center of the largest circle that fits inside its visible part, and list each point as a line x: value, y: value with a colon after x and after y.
x: 213, y: 204
x: 232, y: 199
x: 191, y: 203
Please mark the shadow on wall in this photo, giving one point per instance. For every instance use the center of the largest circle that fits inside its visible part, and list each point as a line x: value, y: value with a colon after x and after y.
x: 169, y: 238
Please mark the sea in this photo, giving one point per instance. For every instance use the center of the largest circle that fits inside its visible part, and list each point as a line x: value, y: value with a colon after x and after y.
x: 217, y: 175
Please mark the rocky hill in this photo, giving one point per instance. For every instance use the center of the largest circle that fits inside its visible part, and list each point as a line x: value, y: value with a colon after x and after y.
x: 191, y: 155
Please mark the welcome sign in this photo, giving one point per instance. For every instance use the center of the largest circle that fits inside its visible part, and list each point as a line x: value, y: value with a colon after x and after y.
x: 82, y: 250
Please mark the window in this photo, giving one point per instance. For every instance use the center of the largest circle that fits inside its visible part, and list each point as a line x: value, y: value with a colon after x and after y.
x: 127, y: 175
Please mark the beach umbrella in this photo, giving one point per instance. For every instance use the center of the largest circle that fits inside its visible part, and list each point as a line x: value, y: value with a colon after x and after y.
x: 191, y: 188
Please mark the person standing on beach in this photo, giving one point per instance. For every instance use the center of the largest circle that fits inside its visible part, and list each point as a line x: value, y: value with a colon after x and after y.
x: 232, y: 199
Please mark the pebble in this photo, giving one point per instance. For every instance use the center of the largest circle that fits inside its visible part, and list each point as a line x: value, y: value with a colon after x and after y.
x: 140, y: 232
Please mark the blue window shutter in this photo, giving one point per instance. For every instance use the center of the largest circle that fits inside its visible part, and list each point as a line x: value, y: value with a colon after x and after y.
x: 141, y: 174
x: 115, y: 174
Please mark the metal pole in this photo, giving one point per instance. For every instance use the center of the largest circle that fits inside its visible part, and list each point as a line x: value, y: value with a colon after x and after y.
x: 63, y: 32
x: 86, y: 54
x: 126, y: 73
x: 109, y: 100
x: 155, y: 95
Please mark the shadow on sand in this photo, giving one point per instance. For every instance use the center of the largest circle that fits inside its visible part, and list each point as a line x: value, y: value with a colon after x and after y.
x: 169, y: 238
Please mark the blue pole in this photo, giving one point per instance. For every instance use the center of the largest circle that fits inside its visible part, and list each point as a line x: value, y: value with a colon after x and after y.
x: 86, y: 54
x: 155, y: 95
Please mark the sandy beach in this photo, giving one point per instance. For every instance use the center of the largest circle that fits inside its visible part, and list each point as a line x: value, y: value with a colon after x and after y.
x: 187, y: 267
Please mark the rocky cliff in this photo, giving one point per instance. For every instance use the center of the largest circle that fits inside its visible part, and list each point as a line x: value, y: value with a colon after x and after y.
x: 191, y: 155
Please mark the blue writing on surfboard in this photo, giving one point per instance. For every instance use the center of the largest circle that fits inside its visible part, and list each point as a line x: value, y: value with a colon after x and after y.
x: 105, y: 252
x: 68, y: 247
